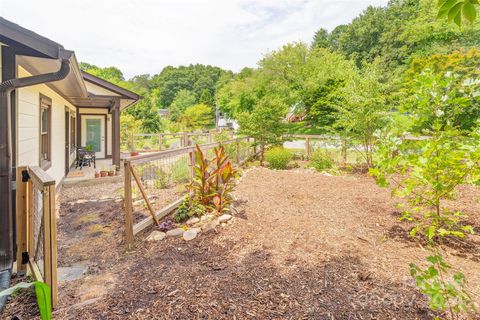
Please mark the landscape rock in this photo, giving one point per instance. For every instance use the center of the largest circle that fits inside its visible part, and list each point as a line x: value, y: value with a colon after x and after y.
x: 156, y: 236
x: 190, y: 234
x: 210, y: 226
x: 192, y: 221
x: 206, y: 217
x: 224, y: 218
x: 177, y: 232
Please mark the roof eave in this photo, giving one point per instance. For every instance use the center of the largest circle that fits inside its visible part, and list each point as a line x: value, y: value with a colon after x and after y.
x: 124, y: 93
x: 39, y: 45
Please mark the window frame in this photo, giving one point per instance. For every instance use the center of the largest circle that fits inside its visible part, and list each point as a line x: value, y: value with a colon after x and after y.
x: 73, y: 132
x: 45, y: 105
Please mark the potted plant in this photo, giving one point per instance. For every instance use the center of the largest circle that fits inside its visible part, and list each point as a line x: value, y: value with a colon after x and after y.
x: 111, y: 172
x: 89, y: 148
x: 97, y: 174
x: 104, y: 172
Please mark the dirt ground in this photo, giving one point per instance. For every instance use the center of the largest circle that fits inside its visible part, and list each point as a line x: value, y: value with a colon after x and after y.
x: 302, y: 245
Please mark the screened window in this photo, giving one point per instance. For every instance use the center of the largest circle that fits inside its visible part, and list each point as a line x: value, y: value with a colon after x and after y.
x: 45, y: 131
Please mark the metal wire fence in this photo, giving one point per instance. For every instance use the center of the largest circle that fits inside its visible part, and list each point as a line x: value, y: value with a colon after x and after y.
x: 338, y: 149
x: 38, y: 229
x: 156, y: 183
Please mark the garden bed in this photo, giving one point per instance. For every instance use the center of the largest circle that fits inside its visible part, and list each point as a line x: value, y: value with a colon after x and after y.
x: 302, y: 245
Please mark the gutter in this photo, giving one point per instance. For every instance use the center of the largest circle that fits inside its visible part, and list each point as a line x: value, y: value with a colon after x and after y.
x: 7, y: 212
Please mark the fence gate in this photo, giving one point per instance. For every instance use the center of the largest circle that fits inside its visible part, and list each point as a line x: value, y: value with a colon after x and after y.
x: 37, y: 226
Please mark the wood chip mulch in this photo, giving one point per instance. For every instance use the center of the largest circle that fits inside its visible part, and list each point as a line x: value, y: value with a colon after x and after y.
x: 302, y: 245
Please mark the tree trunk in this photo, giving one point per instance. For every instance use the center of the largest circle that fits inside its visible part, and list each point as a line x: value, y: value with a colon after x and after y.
x: 262, y: 154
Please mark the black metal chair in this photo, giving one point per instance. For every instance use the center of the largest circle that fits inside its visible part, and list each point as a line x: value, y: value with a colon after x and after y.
x: 84, y: 158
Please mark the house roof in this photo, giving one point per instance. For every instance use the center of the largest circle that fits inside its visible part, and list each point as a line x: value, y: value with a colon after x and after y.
x: 37, y: 54
x: 27, y: 41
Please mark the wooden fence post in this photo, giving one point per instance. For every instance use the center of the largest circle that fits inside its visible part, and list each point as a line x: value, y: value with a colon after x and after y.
x: 307, y: 147
x: 191, y: 164
x: 144, y: 195
x: 30, y: 232
x: 237, y: 144
x: 22, y: 220
x: 128, y: 205
x: 344, y: 150
x: 185, y: 139
x: 52, y: 215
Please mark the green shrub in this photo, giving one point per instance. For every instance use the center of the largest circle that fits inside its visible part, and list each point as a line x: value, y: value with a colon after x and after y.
x: 180, y: 172
x: 278, y: 158
x: 321, y: 160
x: 188, y: 209
x: 181, y: 214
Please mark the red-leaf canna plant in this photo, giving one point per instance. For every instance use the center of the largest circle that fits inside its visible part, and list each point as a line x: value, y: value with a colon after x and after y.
x: 214, y: 180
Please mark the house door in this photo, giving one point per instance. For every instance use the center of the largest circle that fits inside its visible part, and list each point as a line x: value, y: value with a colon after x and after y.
x: 67, y: 142
x: 93, y: 134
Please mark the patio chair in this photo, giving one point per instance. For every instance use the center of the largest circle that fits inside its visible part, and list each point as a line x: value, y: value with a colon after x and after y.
x: 84, y: 158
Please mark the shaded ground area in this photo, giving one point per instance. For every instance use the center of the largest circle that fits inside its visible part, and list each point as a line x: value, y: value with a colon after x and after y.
x: 302, y: 246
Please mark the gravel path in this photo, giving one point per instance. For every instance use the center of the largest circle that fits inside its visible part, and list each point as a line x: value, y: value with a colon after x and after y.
x: 301, y: 246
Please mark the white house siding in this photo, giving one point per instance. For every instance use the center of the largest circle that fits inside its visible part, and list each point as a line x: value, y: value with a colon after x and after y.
x: 28, y: 112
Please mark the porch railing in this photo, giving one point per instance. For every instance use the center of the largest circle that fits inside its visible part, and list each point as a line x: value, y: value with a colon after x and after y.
x: 37, y: 226
x: 155, y: 182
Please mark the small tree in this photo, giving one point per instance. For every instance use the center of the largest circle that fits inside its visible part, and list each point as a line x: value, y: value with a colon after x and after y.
x: 264, y: 123
x: 198, y: 116
x: 363, y: 111
x: 128, y: 127
x: 183, y: 99
x: 426, y: 173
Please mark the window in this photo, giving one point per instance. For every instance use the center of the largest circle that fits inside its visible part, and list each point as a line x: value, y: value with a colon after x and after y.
x: 45, y: 131
x: 73, y: 133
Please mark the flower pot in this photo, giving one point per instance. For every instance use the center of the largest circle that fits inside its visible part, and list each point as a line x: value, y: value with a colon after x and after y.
x: 97, y: 175
x: 134, y: 154
x: 111, y: 173
x: 103, y: 173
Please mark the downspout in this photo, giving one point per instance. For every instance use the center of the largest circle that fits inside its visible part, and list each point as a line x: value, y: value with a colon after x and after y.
x: 7, y: 214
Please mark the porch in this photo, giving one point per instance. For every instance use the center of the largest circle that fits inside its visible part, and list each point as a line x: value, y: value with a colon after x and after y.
x: 87, y: 173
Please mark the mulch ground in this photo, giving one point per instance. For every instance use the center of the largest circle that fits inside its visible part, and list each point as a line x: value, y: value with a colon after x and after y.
x: 302, y: 246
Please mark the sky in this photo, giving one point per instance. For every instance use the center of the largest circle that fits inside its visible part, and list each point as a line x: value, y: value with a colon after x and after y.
x: 144, y: 36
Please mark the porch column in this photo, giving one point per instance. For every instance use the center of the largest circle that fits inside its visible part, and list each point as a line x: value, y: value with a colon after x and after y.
x: 116, y: 133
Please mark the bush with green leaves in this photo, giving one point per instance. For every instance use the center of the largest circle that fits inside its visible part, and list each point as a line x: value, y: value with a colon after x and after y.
x: 428, y: 172
x: 321, y: 160
x: 429, y: 176
x: 447, y: 294
x: 278, y: 158
x: 187, y: 209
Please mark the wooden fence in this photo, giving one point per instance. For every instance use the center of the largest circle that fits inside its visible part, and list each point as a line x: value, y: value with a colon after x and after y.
x: 155, y: 182
x: 37, y: 226
x: 326, y: 142
x: 154, y: 142
x: 342, y: 149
